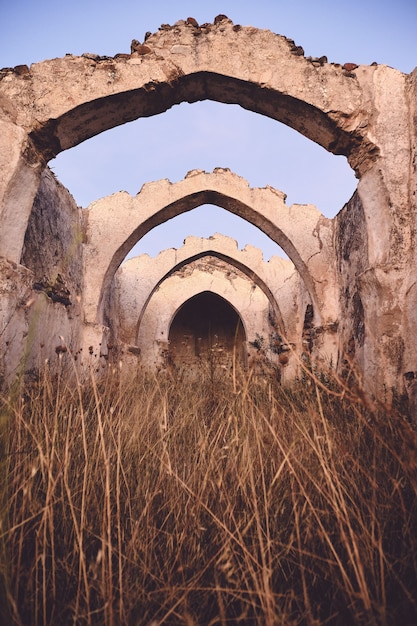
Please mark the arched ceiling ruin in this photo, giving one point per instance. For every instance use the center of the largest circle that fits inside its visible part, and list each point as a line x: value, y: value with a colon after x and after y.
x: 138, y: 278
x: 59, y: 103
x: 258, y: 69
x: 121, y: 220
x: 251, y: 305
x: 365, y: 113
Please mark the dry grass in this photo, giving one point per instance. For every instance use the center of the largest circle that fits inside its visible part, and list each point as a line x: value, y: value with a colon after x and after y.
x: 163, y: 500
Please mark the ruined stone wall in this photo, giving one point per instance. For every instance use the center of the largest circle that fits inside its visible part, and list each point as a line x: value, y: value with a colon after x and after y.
x: 41, y: 299
x: 352, y: 260
x: 363, y: 290
x: 53, y: 241
x: 409, y: 319
x: 15, y: 295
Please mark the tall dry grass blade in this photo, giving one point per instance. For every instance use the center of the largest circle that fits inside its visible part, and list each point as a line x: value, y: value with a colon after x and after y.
x: 156, y: 498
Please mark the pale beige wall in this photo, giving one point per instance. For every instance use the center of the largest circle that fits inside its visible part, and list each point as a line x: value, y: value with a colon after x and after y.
x: 367, y: 114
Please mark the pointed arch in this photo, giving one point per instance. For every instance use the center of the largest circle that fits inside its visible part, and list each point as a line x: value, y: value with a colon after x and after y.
x: 121, y: 220
x: 75, y: 98
x: 143, y: 275
x: 251, y: 305
x: 206, y: 327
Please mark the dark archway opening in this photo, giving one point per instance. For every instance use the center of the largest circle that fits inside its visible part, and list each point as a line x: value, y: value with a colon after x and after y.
x: 207, y: 327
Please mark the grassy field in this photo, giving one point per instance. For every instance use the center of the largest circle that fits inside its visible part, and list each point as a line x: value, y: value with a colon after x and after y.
x: 228, y: 500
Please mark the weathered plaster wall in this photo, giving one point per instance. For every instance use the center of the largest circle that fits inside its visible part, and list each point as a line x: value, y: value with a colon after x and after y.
x: 15, y: 294
x: 352, y: 260
x: 140, y: 279
x: 205, y: 274
x: 409, y: 310
x: 366, y: 113
x: 41, y: 304
x: 53, y: 240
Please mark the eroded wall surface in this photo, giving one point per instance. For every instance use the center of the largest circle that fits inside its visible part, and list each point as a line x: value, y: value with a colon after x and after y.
x: 367, y: 113
x: 41, y: 298
x: 142, y: 308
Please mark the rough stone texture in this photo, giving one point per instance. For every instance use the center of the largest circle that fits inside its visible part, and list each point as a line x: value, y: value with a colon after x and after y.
x: 352, y: 260
x: 41, y: 299
x: 121, y: 220
x: 36, y: 331
x: 53, y: 240
x: 15, y: 295
x: 366, y: 113
x: 409, y: 309
x: 139, y: 279
x: 199, y: 276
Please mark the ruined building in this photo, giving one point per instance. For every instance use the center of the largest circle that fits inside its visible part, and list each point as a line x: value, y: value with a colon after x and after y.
x: 348, y: 292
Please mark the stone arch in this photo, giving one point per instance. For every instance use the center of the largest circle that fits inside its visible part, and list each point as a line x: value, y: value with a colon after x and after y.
x: 206, y: 326
x: 364, y: 113
x: 121, y: 220
x: 251, y: 304
x: 143, y: 275
x: 226, y: 63
x: 275, y: 308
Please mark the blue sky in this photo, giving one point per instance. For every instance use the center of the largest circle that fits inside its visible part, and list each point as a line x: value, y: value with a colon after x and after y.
x: 257, y: 148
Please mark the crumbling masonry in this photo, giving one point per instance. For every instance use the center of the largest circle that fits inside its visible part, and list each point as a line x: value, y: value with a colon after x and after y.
x: 351, y: 292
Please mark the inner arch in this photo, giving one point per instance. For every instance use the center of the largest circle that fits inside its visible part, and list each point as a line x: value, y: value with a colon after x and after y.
x: 234, y: 263
x: 260, y: 150
x: 204, y: 221
x: 206, y: 327
x: 189, y: 202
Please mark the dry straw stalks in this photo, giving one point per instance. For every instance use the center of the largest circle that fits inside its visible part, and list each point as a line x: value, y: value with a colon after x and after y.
x: 228, y: 500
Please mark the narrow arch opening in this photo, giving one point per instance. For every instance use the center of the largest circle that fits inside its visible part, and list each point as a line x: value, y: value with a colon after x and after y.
x: 206, y: 328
